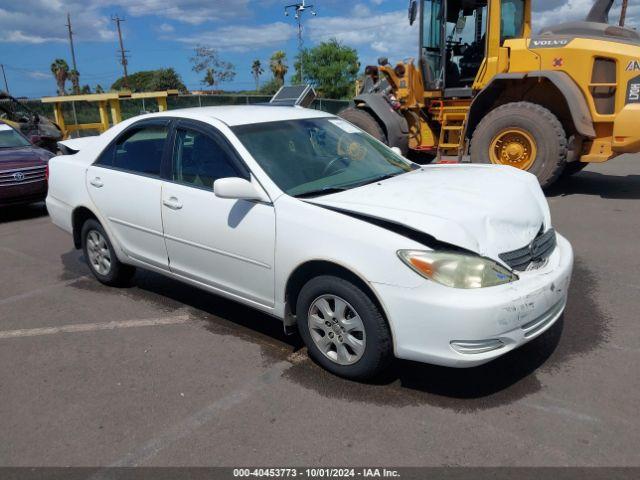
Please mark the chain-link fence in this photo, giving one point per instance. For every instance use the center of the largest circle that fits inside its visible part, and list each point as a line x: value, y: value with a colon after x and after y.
x: 87, y: 112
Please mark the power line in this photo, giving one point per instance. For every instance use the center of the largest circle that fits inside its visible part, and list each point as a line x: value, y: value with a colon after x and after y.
x: 123, y: 53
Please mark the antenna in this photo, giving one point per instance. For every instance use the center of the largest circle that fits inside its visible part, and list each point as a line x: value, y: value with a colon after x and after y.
x: 123, y: 53
x: 299, y: 9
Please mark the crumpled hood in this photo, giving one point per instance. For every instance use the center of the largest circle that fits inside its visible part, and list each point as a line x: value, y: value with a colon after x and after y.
x: 482, y: 208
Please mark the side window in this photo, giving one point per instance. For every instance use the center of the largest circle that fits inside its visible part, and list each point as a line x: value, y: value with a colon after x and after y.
x: 199, y: 160
x: 138, y: 151
x: 512, y: 22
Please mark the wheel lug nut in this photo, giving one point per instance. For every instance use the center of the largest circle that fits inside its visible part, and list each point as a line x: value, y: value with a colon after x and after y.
x: 331, y: 335
x: 327, y: 324
x: 340, y: 337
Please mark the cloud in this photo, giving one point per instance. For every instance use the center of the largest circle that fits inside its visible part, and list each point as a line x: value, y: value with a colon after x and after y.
x: 384, y: 33
x: 166, y: 28
x: 194, y: 12
x: 40, y: 21
x: 36, y: 75
x: 239, y: 38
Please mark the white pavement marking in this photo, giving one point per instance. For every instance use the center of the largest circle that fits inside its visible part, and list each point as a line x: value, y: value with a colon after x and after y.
x: 187, y: 426
x: 92, y: 327
x: 37, y: 291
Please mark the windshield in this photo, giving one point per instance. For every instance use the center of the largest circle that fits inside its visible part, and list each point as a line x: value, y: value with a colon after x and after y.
x: 319, y: 155
x: 9, y: 138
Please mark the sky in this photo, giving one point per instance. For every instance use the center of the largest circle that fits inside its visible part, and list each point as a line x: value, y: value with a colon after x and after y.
x: 163, y: 33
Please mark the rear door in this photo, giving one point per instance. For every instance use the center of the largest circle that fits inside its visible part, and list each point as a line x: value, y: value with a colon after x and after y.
x: 223, y: 243
x: 125, y: 184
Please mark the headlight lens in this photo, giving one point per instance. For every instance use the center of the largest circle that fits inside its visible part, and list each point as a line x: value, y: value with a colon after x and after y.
x: 457, y: 270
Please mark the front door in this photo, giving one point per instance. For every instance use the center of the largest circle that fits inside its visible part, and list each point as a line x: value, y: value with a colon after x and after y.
x: 225, y: 244
x: 125, y: 185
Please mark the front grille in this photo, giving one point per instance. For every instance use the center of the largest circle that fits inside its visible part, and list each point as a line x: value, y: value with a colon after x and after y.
x: 537, y: 251
x: 22, y: 176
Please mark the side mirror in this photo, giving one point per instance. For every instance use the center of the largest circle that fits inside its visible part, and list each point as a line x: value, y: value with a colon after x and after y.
x: 413, y: 11
x: 238, y: 189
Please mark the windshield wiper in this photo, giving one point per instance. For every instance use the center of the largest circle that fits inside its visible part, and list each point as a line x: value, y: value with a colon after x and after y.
x: 377, y: 179
x: 321, y: 191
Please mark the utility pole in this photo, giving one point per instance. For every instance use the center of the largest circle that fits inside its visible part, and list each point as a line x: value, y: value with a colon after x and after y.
x: 73, y: 52
x: 299, y: 9
x: 623, y: 13
x: 75, y: 66
x: 6, y: 85
x: 123, y: 52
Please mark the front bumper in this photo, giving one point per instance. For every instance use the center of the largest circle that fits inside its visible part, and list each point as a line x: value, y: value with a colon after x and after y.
x: 426, y: 320
x: 22, y: 194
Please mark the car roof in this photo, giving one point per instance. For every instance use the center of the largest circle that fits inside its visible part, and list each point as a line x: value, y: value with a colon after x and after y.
x: 248, y: 114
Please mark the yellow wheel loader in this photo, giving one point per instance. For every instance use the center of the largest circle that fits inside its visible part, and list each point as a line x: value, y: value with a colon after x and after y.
x: 484, y: 86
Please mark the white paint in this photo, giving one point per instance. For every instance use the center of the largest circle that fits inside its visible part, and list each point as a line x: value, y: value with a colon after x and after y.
x: 225, y: 245
x: 93, y: 327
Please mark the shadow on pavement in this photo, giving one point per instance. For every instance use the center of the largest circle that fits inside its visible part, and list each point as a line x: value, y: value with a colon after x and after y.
x: 598, y: 184
x: 22, y: 212
x: 582, y: 329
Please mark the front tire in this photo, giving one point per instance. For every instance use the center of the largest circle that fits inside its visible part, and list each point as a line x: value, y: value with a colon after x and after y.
x: 101, y: 257
x: 343, y: 329
x: 523, y: 135
x: 364, y: 121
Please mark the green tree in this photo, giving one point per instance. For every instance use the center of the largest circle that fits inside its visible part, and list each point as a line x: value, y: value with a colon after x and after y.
x: 86, y: 89
x: 99, y: 89
x: 207, y: 59
x: 74, y: 78
x: 270, y: 88
x: 256, y: 71
x: 332, y: 68
x: 278, y: 66
x: 60, y: 70
x: 152, y: 80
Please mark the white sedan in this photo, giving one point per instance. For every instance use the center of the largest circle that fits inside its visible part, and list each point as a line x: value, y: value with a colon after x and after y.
x: 303, y: 216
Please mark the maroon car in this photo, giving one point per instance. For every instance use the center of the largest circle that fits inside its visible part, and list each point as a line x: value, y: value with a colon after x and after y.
x: 23, y: 169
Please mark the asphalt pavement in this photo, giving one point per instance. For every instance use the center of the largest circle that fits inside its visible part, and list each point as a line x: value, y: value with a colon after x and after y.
x: 162, y: 374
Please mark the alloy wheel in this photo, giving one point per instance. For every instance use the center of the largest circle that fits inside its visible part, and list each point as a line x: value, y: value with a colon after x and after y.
x: 98, y: 251
x: 336, y: 329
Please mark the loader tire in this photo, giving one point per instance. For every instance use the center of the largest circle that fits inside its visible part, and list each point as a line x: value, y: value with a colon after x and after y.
x: 523, y: 135
x: 364, y: 121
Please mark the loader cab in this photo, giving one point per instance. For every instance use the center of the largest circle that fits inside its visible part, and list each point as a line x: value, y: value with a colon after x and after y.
x: 454, y: 41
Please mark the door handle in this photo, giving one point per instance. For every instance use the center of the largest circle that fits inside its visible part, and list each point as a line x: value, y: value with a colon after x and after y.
x: 172, y: 203
x: 96, y: 182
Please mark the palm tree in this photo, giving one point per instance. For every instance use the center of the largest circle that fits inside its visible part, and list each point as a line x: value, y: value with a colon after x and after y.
x: 278, y: 65
x: 60, y: 71
x: 210, y: 78
x: 74, y: 78
x: 257, y: 70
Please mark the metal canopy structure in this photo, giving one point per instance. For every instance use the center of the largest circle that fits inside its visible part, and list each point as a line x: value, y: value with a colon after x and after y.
x: 108, y: 107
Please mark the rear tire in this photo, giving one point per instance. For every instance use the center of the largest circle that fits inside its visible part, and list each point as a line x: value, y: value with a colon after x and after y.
x: 527, y: 121
x: 365, y: 121
x: 352, y: 340
x: 101, y: 257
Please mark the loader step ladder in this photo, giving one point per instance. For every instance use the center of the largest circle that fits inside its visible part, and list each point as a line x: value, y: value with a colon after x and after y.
x: 451, y: 134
